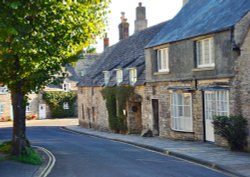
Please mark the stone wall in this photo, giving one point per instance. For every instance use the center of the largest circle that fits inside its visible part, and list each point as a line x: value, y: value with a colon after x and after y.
x: 241, y: 83
x: 92, y: 112
x: 5, y: 99
x: 161, y: 92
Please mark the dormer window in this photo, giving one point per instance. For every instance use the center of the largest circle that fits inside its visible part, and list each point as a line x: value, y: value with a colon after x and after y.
x: 82, y: 73
x: 106, y: 77
x: 3, y: 90
x: 163, y: 60
x: 119, y: 76
x: 205, y: 53
x: 66, y: 86
x: 132, y: 76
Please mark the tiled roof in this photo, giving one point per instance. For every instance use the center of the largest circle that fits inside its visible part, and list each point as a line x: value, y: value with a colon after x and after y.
x: 200, y: 17
x: 127, y: 53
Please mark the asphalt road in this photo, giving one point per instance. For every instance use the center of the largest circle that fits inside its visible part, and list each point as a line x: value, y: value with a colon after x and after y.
x: 85, y: 156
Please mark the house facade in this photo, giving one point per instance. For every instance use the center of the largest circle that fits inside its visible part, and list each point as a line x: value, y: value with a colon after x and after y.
x: 194, y: 70
x: 122, y: 64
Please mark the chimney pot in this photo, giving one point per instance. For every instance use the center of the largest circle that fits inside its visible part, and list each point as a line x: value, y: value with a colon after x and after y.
x: 141, y: 21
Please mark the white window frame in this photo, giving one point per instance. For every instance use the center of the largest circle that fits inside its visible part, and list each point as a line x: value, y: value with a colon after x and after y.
x: 66, y: 86
x: 216, y: 103
x: 163, y: 60
x: 132, y: 75
x: 66, y: 105
x: 3, y: 90
x: 82, y: 73
x: 1, y: 109
x: 180, y: 120
x: 28, y: 107
x: 106, y: 75
x: 119, y: 76
x: 205, y: 53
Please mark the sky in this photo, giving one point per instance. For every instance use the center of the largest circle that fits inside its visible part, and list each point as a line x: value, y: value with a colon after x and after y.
x: 157, y: 11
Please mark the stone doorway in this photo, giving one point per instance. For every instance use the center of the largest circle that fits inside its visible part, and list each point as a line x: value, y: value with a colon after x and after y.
x: 134, y: 121
x: 155, y: 107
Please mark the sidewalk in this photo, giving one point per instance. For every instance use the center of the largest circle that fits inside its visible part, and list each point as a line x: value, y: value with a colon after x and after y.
x: 235, y: 163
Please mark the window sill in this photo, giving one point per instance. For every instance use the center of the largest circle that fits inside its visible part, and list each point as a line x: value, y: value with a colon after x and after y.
x: 204, y: 69
x: 182, y: 131
x: 161, y: 73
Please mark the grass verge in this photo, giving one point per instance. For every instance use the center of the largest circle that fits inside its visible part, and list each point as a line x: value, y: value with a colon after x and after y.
x: 29, y: 156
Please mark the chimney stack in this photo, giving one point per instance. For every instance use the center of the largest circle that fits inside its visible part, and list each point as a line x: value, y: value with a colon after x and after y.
x: 185, y: 2
x: 123, y: 28
x: 105, y: 41
x: 141, y: 21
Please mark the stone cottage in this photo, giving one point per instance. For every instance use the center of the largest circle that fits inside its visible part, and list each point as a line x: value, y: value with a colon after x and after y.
x: 120, y: 64
x: 197, y: 66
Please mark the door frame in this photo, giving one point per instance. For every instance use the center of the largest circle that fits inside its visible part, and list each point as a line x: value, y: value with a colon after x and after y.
x: 156, y: 120
x: 44, y: 110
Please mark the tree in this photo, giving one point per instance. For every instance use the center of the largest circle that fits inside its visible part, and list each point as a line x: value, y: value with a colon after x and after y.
x: 37, y: 38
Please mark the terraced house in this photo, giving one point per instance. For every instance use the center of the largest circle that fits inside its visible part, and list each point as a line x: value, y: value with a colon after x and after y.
x: 122, y: 64
x: 197, y: 66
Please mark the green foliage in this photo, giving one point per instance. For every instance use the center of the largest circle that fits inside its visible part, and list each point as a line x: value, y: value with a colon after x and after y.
x: 116, y: 99
x: 29, y: 155
x: 38, y: 37
x: 55, y: 101
x: 5, y: 147
x: 233, y: 129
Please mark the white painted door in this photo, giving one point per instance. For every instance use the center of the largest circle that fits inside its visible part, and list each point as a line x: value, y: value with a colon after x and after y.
x: 42, y: 111
x: 209, y: 112
x: 216, y: 104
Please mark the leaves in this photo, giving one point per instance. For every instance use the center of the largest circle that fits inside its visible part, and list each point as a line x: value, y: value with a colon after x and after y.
x: 38, y: 37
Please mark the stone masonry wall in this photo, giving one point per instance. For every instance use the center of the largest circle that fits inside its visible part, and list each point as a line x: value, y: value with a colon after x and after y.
x: 160, y: 91
x: 241, y: 84
x: 92, y: 112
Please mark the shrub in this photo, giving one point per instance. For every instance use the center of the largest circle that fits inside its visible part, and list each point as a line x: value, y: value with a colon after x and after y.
x: 55, y: 101
x: 233, y: 129
x: 116, y: 99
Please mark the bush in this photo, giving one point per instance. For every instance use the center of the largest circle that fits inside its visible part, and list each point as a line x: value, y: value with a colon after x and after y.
x: 233, y: 129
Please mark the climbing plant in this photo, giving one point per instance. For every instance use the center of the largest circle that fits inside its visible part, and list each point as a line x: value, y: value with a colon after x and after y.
x: 116, y: 99
x: 55, y: 100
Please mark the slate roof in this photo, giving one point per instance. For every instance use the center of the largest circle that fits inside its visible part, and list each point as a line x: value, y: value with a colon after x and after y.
x: 200, y: 17
x: 72, y: 77
x: 127, y: 53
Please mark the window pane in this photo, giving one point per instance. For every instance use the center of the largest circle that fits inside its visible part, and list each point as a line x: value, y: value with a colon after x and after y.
x: 181, y: 112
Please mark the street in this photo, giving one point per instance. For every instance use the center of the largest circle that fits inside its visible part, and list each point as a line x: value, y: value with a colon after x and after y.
x: 81, y: 155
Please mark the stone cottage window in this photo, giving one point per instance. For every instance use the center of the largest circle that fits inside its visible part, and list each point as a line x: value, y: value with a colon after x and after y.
x: 216, y: 104
x: 181, y: 112
x: 82, y: 73
x: 163, y: 60
x: 119, y: 76
x: 28, y: 107
x: 132, y: 76
x: 1, y: 109
x: 205, y: 53
x: 3, y: 90
x: 66, y: 86
x: 65, y: 105
x: 106, y: 77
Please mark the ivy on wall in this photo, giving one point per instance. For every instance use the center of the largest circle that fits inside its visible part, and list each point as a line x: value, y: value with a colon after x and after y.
x: 116, y: 99
x: 55, y: 100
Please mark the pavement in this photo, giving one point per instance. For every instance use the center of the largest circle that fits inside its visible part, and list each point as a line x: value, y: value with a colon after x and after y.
x: 207, y: 154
